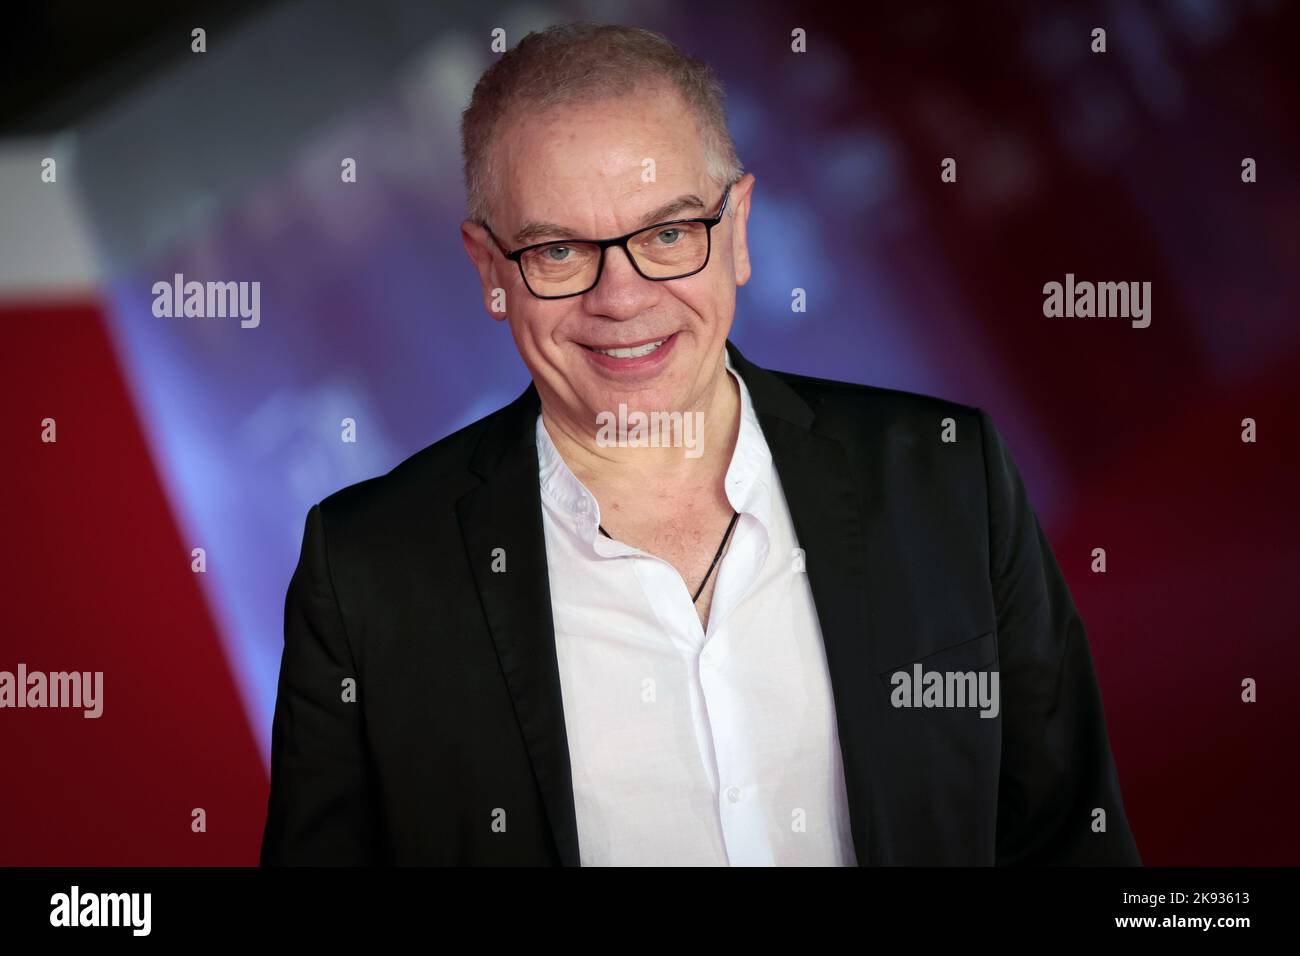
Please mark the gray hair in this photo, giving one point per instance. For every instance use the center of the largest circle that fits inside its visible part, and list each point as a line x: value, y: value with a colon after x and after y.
x: 581, y: 62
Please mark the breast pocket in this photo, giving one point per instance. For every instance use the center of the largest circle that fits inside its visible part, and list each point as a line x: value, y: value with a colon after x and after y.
x: 979, y: 653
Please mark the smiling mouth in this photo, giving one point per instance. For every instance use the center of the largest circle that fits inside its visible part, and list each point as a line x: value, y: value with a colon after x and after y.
x: 629, y: 351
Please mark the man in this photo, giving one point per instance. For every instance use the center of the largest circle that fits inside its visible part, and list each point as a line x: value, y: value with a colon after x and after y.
x: 547, y: 639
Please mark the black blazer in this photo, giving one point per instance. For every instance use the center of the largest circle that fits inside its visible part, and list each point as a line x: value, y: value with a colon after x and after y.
x: 916, y: 549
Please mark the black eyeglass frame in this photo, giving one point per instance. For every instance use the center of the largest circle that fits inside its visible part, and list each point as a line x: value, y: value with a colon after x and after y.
x: 621, y: 242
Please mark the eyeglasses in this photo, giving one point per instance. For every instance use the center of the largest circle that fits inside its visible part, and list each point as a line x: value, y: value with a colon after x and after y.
x: 568, y: 267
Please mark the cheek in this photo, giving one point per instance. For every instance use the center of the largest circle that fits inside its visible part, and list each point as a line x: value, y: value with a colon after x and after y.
x: 539, y: 327
x: 711, y: 300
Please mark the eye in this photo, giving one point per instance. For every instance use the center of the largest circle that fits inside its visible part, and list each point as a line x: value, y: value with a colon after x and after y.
x: 668, y: 236
x: 556, y: 253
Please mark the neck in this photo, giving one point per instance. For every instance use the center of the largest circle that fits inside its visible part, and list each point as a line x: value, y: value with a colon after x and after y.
x: 617, y: 466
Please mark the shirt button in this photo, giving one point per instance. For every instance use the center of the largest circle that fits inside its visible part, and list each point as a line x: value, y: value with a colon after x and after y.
x: 582, y: 505
x: 733, y: 794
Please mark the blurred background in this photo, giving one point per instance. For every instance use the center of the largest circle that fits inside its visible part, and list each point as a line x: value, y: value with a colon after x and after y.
x: 180, y: 434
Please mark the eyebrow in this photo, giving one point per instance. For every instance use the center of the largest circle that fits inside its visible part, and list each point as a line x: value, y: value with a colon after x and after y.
x: 532, y: 232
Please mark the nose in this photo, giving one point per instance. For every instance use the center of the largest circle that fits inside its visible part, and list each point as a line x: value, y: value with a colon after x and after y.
x: 621, y: 291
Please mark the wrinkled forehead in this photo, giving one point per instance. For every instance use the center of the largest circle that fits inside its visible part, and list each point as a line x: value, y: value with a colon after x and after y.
x: 622, y: 155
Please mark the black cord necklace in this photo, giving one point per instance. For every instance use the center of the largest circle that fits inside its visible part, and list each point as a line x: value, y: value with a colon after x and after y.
x: 734, y: 516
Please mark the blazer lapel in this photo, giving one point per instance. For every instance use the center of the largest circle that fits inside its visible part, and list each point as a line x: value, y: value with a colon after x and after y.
x: 823, y: 496
x: 506, y: 512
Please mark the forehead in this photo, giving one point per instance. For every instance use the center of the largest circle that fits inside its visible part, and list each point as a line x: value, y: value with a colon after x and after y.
x: 579, y: 163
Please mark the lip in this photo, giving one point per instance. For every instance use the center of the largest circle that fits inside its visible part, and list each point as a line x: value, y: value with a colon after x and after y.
x: 639, y: 364
x: 625, y: 345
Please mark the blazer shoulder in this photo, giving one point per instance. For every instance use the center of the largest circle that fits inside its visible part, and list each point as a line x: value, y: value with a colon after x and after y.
x: 854, y: 408
x: 434, y: 476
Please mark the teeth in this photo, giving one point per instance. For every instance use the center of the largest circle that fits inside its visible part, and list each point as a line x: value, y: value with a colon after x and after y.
x: 637, y: 352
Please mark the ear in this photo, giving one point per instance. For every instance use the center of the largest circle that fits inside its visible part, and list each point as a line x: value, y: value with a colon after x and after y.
x: 487, y: 259
x: 739, y: 216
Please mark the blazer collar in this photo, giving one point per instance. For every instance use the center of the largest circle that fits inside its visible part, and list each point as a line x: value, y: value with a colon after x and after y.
x: 505, y: 512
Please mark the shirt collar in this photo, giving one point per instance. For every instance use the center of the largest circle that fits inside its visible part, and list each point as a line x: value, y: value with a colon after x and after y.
x: 747, y: 480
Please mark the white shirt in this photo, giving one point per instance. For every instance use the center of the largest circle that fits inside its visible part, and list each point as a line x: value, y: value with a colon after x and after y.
x: 693, y: 748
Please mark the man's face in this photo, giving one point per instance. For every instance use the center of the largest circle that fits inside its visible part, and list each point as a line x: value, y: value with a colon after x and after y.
x: 583, y: 168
